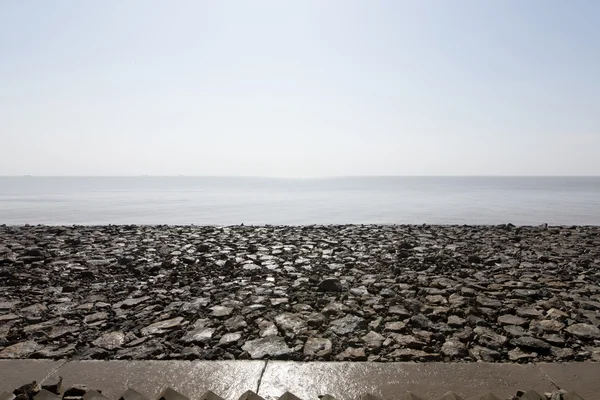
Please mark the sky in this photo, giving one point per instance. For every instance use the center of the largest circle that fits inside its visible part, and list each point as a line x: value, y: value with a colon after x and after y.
x: 307, y: 88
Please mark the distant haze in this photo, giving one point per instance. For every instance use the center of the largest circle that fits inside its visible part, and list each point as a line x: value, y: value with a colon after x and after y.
x: 304, y: 88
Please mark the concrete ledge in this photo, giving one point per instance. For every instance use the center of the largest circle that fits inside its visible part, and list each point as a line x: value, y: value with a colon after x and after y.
x: 308, y: 380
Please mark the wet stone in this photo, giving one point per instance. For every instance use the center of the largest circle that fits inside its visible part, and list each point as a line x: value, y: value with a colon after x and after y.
x: 8, y: 305
x: 488, y: 338
x: 584, y: 331
x: 400, y: 312
x: 195, y: 305
x: 334, y: 309
x: 420, y: 321
x: 395, y: 326
x: 529, y: 312
x: 488, y: 302
x: 485, y: 354
x: 161, y: 327
x: 62, y: 330
x: 554, y: 339
x: 220, y: 311
x: 345, y: 325
x: 20, y: 350
x: 456, y: 322
x: 291, y: 324
x: 352, y: 354
x: 129, y: 303
x: 267, y: 328
x: 8, y: 317
x: 110, y: 341
x: 413, y: 355
x: 515, y: 331
x: 99, y: 316
x: 551, y: 325
x: 373, y: 340
x: 529, y: 342
x: 230, y: 338
x: 235, y: 323
x: 409, y: 341
x: 141, y: 352
x: 512, y: 320
x: 454, y: 349
x: 272, y: 346
x: 520, y: 355
x: 317, y: 347
x: 199, y: 333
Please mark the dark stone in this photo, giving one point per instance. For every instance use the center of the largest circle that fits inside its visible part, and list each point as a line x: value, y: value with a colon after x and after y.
x: 530, y: 342
x: 420, y: 321
x: 330, y: 285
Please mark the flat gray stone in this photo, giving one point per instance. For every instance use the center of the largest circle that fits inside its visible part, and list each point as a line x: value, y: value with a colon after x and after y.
x: 512, y: 320
x: 267, y: 328
x: 230, y: 338
x: 584, y: 331
x: 99, y: 316
x: 489, y: 338
x: 291, y: 324
x: 20, y: 350
x: 221, y: 311
x: 345, y: 325
x: 317, y: 347
x: 454, y: 349
x: 195, y: 305
x: 161, y: 327
x: 128, y: 303
x: 352, y: 354
x: 373, y: 340
x: 530, y: 343
x: 271, y: 346
x: 8, y: 305
x: 200, y: 332
x: 551, y: 325
x: 110, y: 341
x: 529, y: 312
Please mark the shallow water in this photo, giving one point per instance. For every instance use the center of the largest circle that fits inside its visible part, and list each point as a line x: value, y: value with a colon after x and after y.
x: 228, y: 201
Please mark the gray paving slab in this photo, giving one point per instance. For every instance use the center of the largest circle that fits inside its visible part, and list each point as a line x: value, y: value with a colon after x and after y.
x: 228, y: 379
x: 15, y: 373
x: 348, y: 381
x: 582, y: 378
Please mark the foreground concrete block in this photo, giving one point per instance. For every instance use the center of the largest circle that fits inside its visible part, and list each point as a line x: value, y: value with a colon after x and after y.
x: 581, y: 378
x: 15, y: 373
x: 46, y: 395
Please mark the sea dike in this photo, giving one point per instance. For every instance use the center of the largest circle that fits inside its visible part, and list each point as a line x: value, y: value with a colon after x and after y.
x: 380, y: 293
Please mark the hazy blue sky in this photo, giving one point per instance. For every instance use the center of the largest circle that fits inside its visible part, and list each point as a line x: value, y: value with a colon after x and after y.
x: 300, y: 88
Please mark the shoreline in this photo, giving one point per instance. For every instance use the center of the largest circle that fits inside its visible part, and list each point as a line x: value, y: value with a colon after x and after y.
x: 497, y: 293
x: 508, y: 225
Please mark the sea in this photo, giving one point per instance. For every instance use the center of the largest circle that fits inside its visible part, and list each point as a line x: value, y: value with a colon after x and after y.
x: 186, y: 200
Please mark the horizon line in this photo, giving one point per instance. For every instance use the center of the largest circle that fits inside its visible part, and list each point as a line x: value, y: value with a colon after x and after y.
x: 299, y: 177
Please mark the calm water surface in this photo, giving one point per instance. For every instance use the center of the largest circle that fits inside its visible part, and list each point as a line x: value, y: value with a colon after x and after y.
x: 228, y: 201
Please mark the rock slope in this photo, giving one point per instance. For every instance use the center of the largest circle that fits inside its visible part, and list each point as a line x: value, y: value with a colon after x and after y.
x: 379, y: 293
